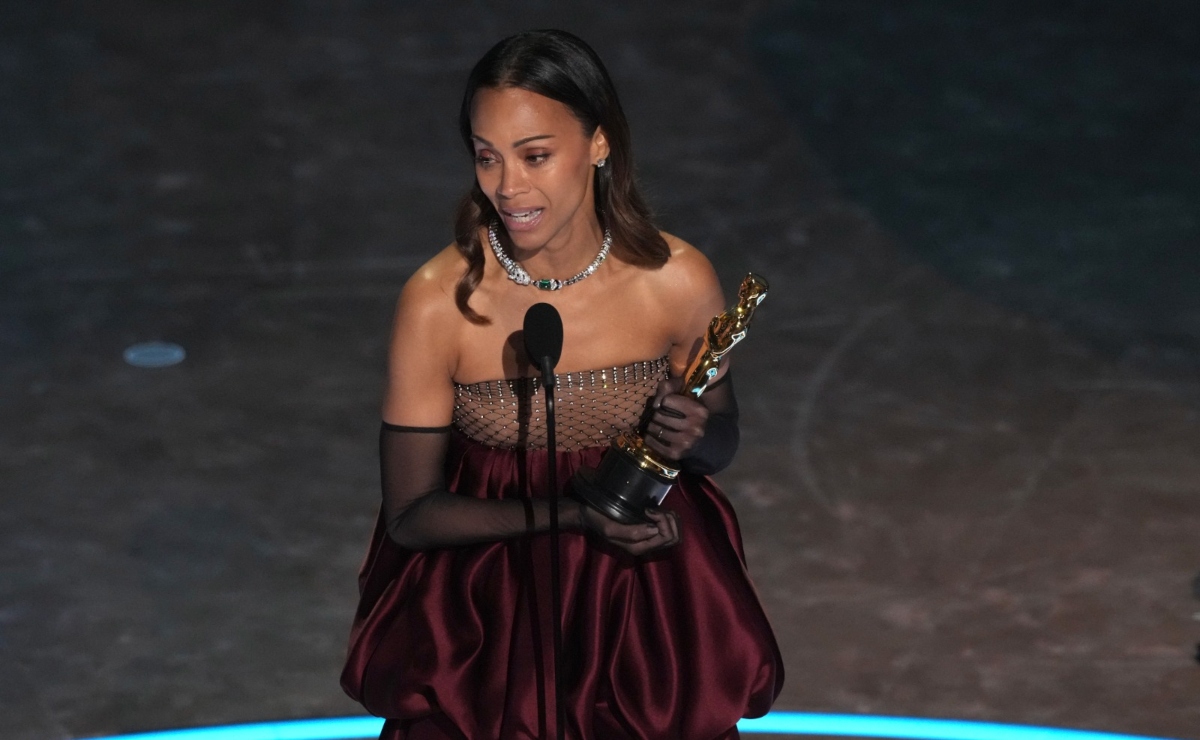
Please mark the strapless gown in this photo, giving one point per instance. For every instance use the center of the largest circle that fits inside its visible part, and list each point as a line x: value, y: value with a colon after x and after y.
x: 457, y: 642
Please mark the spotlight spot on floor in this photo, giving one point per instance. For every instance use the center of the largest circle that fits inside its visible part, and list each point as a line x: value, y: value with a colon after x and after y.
x: 154, y: 354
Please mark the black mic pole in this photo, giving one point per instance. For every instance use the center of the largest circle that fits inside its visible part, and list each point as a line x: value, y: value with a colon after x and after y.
x: 543, y: 333
x: 560, y: 709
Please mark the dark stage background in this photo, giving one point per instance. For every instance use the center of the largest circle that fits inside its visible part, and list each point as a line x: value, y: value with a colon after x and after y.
x: 969, y: 475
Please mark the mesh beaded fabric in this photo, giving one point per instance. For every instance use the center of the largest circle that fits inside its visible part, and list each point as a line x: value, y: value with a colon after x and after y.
x: 591, y: 407
x: 454, y: 641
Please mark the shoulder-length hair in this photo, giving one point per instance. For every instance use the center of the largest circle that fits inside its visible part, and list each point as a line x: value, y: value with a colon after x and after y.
x: 561, y: 67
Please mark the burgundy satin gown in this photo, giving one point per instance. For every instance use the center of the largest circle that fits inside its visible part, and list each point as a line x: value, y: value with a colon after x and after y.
x: 457, y: 642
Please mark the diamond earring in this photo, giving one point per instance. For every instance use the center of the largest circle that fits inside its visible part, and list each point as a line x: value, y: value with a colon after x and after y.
x: 601, y: 163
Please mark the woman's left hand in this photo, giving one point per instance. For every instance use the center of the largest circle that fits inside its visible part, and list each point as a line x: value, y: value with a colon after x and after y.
x: 678, y: 421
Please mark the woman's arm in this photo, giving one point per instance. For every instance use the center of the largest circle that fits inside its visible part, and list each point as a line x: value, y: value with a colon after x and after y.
x: 421, y: 513
x: 418, y: 406
x: 701, y: 435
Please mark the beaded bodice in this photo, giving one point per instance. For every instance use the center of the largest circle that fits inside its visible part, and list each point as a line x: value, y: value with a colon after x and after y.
x: 591, y: 407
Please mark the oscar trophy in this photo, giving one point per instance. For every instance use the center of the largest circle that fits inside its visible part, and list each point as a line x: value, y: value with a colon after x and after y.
x: 631, y: 477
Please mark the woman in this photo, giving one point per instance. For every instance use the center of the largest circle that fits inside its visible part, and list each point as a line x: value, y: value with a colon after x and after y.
x: 663, y: 634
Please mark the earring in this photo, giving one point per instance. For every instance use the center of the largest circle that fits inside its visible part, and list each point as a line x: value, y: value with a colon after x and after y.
x: 601, y: 163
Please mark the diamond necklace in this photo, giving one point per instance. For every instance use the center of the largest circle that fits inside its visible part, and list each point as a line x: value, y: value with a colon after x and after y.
x: 517, y: 274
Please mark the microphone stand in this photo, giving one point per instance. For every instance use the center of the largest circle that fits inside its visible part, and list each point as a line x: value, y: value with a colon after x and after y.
x: 560, y: 710
x: 543, y: 333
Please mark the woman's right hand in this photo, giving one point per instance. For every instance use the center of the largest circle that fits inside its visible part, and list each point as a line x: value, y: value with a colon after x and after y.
x: 635, y: 539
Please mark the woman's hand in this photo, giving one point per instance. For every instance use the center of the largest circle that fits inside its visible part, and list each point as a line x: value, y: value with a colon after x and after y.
x: 635, y: 539
x: 678, y: 421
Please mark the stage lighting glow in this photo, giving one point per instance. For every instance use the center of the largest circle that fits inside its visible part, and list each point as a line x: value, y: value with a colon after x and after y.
x: 154, y: 354
x: 775, y: 723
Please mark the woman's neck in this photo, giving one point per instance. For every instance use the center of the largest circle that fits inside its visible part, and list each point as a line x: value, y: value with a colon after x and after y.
x: 566, y: 253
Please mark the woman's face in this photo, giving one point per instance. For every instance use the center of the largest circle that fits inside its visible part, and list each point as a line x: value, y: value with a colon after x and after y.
x: 534, y: 162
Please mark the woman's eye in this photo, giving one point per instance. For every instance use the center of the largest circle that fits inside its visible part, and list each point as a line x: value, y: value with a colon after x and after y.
x: 537, y: 158
x: 484, y: 159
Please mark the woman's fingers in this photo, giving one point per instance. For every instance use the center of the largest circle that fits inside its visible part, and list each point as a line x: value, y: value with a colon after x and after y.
x: 676, y: 530
x: 683, y: 409
x: 662, y: 442
x: 667, y: 432
x: 676, y: 426
x: 667, y: 534
x: 667, y: 523
x: 665, y: 388
x: 637, y: 539
x: 629, y: 534
x: 614, y: 531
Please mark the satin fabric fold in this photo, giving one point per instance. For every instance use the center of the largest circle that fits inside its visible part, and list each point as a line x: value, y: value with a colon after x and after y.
x: 456, y: 642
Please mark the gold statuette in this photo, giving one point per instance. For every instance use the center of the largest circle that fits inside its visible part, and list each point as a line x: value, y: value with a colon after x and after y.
x: 631, y: 477
x: 725, y: 330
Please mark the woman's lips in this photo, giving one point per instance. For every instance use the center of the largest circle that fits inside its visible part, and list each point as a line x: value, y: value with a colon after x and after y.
x: 526, y: 219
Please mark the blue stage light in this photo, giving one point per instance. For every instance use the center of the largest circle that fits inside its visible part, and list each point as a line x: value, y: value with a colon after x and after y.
x: 340, y: 728
x: 776, y: 723
x: 912, y: 728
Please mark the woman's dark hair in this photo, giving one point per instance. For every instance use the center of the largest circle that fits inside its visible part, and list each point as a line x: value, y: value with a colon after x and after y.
x: 561, y: 67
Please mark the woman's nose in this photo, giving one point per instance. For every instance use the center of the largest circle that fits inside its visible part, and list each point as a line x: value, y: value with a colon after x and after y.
x: 512, y: 182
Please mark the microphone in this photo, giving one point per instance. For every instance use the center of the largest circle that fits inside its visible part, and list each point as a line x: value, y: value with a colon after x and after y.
x: 543, y: 333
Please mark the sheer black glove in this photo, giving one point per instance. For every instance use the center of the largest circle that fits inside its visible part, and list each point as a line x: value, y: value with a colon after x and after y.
x: 421, y: 513
x: 418, y: 509
x: 701, y: 435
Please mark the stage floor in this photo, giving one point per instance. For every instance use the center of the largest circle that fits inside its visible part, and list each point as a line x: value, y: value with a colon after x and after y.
x: 968, y: 486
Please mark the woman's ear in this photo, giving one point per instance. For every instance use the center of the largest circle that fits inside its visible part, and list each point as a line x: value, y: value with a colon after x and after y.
x: 600, y: 149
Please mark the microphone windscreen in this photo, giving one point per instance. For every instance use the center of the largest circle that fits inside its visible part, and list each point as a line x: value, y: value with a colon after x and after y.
x: 543, y: 333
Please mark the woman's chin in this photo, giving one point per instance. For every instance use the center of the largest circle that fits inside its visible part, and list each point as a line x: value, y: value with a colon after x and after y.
x: 527, y: 238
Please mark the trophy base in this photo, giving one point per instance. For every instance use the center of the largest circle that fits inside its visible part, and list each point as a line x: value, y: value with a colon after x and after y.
x: 619, y: 488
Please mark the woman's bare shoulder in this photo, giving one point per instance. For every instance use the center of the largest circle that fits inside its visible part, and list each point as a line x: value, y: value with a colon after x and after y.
x: 423, y: 349
x: 688, y: 273
x: 430, y: 290
x: 426, y: 312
